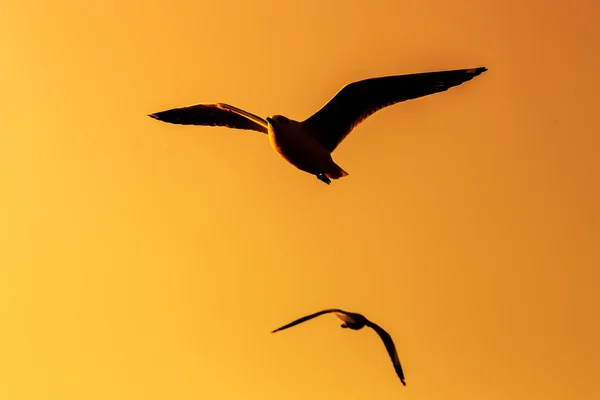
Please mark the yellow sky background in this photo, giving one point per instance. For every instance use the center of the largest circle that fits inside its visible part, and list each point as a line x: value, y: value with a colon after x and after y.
x: 143, y: 260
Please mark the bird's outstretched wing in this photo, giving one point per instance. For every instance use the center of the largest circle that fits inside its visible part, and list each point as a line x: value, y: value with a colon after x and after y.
x: 358, y: 100
x: 218, y: 114
x: 311, y: 316
x: 391, y: 349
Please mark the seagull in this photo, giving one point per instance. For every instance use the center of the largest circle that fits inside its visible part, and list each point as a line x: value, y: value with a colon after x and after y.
x: 308, y: 144
x: 356, y: 321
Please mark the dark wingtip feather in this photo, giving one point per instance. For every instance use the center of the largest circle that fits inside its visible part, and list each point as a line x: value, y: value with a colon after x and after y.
x: 402, y: 380
x: 476, y: 71
x: 173, y: 116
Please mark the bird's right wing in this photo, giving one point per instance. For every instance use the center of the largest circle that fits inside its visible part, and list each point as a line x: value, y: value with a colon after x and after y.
x: 218, y: 114
x: 391, y: 349
x: 311, y: 316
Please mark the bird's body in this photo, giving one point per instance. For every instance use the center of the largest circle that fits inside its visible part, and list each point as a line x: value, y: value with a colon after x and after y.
x: 308, y: 144
x: 352, y: 321
x: 356, y: 322
x: 303, y: 151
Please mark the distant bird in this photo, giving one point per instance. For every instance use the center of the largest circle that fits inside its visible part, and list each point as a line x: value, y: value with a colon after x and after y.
x: 357, y: 321
x: 308, y: 144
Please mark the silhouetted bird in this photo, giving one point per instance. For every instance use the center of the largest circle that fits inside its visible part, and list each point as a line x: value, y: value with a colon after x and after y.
x: 308, y: 144
x: 357, y: 321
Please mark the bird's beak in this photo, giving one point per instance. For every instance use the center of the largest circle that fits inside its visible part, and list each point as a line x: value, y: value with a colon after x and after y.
x: 269, y: 120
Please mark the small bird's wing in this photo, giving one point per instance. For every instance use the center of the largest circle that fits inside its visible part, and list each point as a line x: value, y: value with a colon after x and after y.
x: 391, y: 349
x: 358, y: 100
x: 311, y: 316
x: 218, y: 114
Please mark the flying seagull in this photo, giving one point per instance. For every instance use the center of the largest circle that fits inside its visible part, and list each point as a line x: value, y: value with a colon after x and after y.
x: 308, y: 144
x: 357, y: 321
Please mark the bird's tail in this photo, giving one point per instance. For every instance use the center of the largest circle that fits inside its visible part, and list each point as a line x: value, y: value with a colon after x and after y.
x: 336, y: 172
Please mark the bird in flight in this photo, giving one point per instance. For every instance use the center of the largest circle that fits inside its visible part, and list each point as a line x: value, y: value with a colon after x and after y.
x: 308, y: 144
x: 356, y: 321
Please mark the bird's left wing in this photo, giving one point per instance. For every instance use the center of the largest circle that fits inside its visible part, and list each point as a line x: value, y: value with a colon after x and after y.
x: 311, y: 316
x: 390, y: 347
x: 218, y: 114
x: 358, y: 100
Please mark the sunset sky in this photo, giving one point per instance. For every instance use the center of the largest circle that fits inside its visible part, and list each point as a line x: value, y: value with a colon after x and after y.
x: 144, y: 260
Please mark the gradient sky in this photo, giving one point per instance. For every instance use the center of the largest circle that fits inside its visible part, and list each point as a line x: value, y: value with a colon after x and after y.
x: 143, y: 260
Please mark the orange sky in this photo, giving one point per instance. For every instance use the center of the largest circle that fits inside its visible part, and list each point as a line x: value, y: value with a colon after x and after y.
x: 143, y: 260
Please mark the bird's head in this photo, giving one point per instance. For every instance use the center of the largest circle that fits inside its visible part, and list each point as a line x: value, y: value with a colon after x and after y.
x: 278, y: 120
x: 351, y: 320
